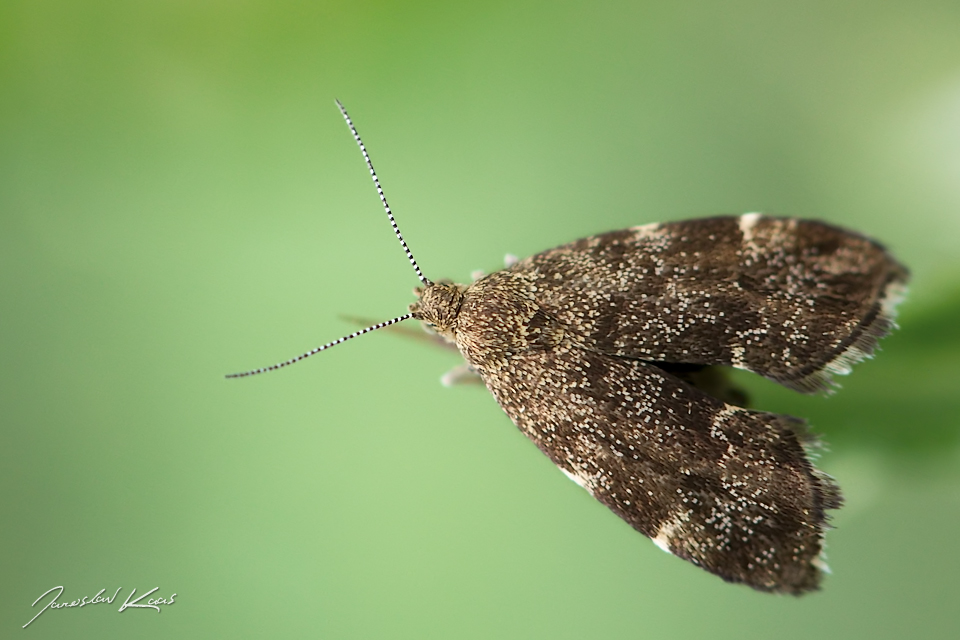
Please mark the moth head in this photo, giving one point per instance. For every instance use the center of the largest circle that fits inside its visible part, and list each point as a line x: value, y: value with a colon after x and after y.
x: 437, y: 306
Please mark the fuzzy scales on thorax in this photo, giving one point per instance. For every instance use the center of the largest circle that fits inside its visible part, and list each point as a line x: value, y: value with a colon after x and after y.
x: 492, y: 322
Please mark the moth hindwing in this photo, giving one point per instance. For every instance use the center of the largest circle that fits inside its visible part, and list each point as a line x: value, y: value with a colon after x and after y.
x: 609, y: 354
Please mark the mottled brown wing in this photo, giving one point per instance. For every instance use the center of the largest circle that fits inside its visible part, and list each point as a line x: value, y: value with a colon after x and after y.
x: 793, y: 300
x: 728, y: 489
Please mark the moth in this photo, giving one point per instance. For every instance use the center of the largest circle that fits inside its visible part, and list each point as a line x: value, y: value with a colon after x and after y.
x: 610, y: 354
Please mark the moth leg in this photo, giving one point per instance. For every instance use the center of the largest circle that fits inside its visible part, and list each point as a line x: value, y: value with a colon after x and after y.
x: 461, y: 374
x: 508, y: 261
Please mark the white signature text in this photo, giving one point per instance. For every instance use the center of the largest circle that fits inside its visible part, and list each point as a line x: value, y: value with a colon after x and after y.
x: 129, y: 603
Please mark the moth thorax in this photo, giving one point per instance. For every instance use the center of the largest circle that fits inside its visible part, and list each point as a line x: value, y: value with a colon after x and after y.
x: 438, y: 307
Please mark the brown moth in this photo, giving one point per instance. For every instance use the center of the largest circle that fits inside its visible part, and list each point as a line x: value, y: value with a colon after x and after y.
x: 608, y: 352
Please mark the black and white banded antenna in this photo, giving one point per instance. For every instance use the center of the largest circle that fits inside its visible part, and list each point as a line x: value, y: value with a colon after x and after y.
x: 280, y: 365
x: 403, y: 243
x: 383, y: 198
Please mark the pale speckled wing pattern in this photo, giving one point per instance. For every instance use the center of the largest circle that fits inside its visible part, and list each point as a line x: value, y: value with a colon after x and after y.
x: 580, y: 346
x: 792, y: 300
x: 729, y: 489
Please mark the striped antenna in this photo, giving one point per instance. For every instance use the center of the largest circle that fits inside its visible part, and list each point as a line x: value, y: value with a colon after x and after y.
x: 403, y: 243
x: 280, y: 365
x: 383, y: 198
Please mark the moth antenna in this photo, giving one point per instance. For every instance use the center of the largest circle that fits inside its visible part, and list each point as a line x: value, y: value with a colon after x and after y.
x: 279, y: 365
x: 383, y: 198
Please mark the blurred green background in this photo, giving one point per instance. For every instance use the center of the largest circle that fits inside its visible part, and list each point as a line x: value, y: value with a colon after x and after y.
x: 180, y: 199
